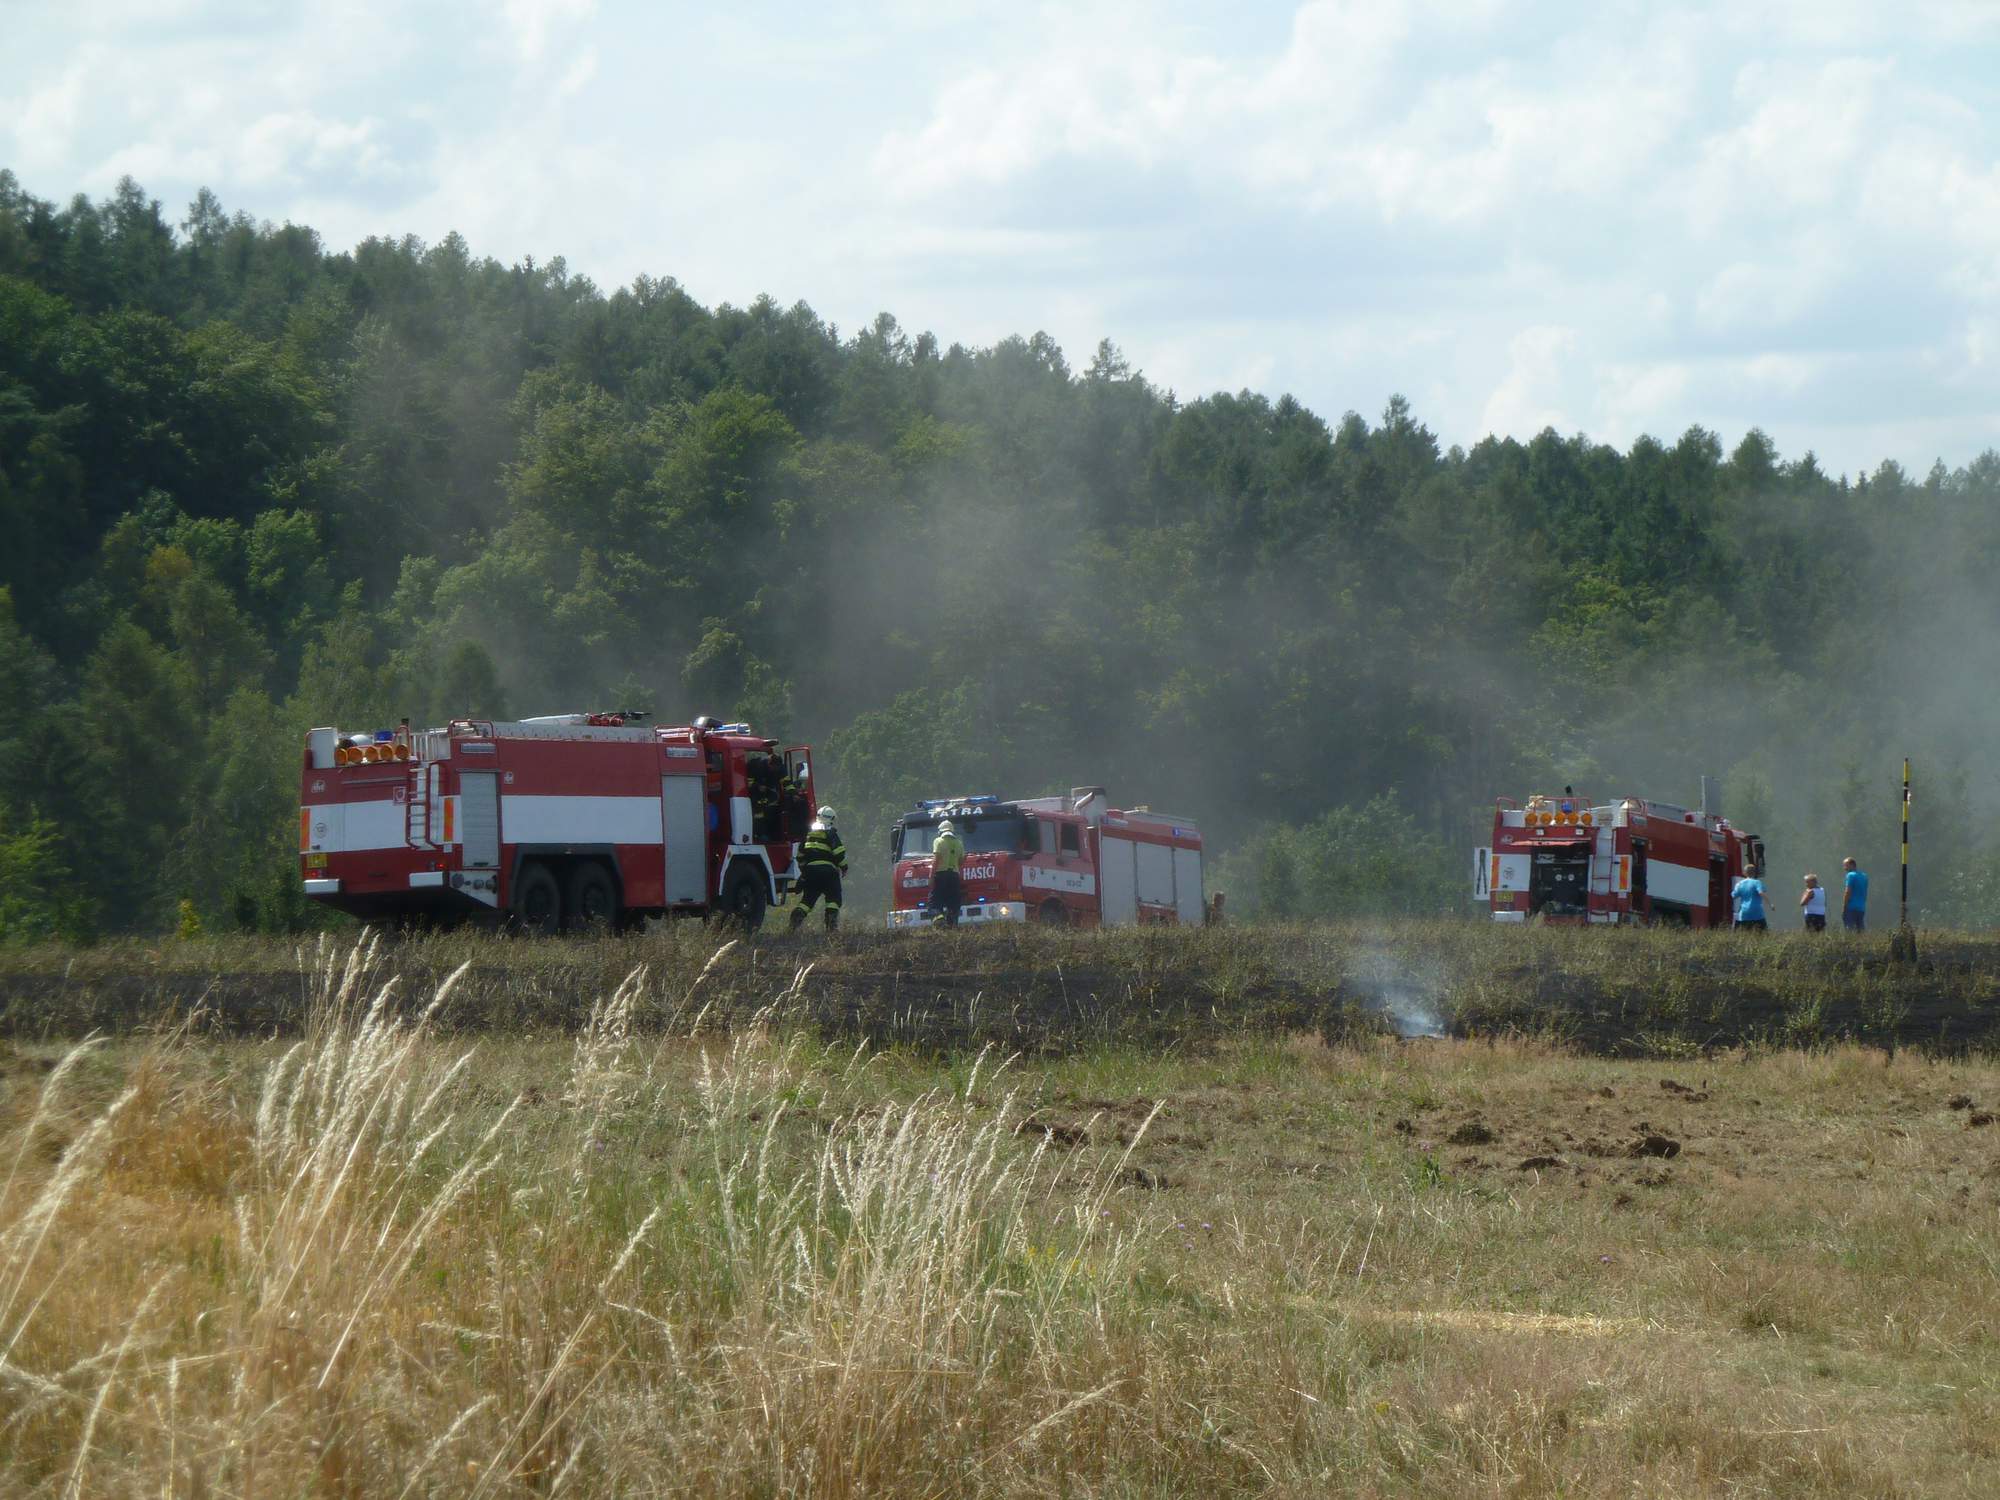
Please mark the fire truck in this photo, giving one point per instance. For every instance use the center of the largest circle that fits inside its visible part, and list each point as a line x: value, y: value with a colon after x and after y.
x: 1066, y: 861
x: 557, y: 823
x: 1569, y: 859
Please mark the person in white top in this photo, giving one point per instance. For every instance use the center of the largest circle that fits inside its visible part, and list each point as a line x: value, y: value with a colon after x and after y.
x: 1813, y: 904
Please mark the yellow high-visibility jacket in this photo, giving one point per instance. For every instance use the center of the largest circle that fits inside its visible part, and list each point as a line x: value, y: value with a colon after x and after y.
x: 948, y: 853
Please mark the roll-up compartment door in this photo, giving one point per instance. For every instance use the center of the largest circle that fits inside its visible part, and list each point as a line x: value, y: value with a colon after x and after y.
x: 1189, y: 904
x: 479, y: 818
x: 1155, y: 874
x: 685, y: 828
x: 1117, y: 879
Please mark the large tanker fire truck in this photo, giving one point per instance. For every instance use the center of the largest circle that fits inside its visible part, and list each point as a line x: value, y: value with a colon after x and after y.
x: 568, y: 821
x: 1568, y: 859
x: 1071, y: 860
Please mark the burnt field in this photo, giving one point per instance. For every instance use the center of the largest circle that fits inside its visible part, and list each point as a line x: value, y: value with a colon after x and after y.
x: 1635, y: 994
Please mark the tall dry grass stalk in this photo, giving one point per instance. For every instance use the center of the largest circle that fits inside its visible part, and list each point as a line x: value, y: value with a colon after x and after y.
x: 385, y: 1275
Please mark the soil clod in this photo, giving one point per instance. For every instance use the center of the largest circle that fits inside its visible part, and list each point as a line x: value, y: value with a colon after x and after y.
x: 1056, y: 1133
x: 1471, y: 1133
x: 1654, y: 1144
x: 1959, y: 1101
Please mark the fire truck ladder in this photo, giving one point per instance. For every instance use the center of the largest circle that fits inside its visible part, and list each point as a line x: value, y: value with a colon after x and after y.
x: 417, y: 809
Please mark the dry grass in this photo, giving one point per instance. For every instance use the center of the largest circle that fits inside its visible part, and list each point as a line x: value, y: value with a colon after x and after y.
x: 664, y: 1255
x: 1626, y: 992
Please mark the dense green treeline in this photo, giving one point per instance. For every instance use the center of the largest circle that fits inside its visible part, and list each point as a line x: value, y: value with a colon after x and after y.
x: 249, y: 484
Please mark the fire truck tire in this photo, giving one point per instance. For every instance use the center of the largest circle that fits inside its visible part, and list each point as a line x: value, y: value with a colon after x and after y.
x: 538, y: 901
x: 592, y: 899
x: 744, y: 896
x: 1052, y: 913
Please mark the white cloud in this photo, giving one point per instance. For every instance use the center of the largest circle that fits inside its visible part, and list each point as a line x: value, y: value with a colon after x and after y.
x: 1629, y: 218
x: 1528, y: 397
x: 531, y: 24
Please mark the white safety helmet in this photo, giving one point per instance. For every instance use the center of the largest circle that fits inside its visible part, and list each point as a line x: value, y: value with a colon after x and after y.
x: 826, y: 816
x: 945, y: 827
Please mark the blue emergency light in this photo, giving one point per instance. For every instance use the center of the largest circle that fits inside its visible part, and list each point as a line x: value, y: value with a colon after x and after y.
x: 934, y: 803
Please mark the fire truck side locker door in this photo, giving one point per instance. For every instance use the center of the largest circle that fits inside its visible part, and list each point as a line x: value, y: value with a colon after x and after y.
x: 684, y: 826
x: 479, y: 818
x: 1156, y: 873
x: 1117, y: 882
x: 1190, y: 904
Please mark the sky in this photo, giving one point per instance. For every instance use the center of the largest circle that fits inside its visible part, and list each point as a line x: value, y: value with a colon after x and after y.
x: 1618, y: 218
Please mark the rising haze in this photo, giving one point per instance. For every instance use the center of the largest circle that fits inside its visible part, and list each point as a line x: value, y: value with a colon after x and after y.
x: 259, y: 474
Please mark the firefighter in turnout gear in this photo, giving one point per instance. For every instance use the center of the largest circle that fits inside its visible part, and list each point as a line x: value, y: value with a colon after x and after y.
x: 947, y: 894
x: 822, y: 861
x: 764, y: 778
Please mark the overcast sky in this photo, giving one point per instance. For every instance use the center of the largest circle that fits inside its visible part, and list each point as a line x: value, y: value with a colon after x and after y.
x: 1615, y: 217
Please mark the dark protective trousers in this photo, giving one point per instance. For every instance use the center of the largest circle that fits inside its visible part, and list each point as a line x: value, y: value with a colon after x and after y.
x: 947, y: 895
x: 815, y: 882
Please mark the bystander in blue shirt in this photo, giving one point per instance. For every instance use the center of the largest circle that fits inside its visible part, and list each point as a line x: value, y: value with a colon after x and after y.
x: 1748, y: 894
x: 1854, y: 898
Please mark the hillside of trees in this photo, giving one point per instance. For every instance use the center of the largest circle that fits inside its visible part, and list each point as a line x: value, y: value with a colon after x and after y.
x: 249, y: 483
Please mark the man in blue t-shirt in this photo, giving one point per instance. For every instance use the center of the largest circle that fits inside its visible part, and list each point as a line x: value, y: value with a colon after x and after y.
x: 1853, y: 896
x: 1748, y: 894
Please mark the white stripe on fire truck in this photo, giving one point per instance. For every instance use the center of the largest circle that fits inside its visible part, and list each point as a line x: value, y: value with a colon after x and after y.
x: 355, y: 826
x: 580, y: 820
x: 1671, y: 882
x: 1040, y: 877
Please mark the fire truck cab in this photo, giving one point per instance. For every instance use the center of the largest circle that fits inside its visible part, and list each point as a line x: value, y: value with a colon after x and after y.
x: 1067, y: 861
x: 560, y: 822
x: 1628, y: 860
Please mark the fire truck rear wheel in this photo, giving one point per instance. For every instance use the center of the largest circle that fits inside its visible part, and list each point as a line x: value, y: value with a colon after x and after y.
x: 1052, y: 914
x: 593, y: 900
x: 538, y: 902
x: 744, y: 897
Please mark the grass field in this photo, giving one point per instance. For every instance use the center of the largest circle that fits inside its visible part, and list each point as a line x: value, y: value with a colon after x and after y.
x: 1073, y: 1214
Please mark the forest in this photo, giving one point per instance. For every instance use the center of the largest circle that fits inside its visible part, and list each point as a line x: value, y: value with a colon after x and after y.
x: 250, y: 483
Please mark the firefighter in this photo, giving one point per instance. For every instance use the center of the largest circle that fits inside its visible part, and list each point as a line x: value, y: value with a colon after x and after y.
x: 822, y: 861
x: 947, y: 895
x: 792, y: 804
x: 764, y: 781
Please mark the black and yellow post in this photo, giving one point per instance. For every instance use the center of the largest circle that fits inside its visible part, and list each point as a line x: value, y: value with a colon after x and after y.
x: 1904, y: 944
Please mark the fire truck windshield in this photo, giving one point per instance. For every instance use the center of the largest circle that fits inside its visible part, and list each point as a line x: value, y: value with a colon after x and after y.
x: 1003, y: 833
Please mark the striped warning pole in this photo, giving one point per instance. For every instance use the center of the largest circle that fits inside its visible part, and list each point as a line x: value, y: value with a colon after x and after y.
x: 1906, y: 841
x: 1903, y: 945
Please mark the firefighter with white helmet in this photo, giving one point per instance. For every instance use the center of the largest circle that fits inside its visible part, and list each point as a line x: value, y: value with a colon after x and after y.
x: 947, y: 894
x: 822, y: 861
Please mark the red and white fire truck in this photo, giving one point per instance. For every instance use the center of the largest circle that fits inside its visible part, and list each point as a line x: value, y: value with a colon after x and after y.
x: 1071, y: 860
x: 567, y: 821
x: 1569, y: 859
